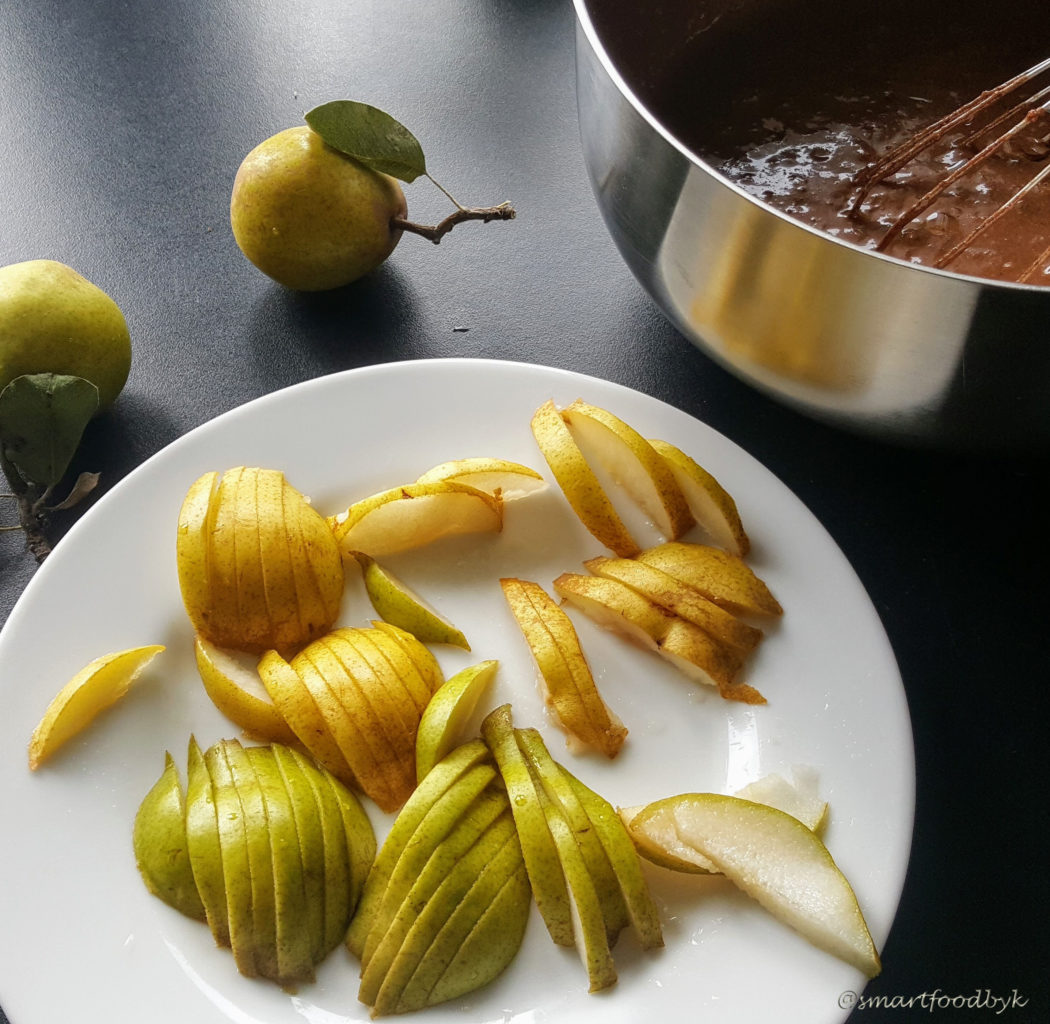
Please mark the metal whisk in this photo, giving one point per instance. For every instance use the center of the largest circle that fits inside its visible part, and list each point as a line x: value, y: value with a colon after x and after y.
x: 1022, y: 118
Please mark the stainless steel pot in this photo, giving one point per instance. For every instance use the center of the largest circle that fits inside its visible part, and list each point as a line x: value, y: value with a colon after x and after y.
x: 847, y: 335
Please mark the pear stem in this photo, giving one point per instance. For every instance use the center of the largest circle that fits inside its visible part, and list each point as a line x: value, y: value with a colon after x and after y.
x: 438, y: 231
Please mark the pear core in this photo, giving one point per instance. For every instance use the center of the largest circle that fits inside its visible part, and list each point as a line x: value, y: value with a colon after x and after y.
x: 311, y: 217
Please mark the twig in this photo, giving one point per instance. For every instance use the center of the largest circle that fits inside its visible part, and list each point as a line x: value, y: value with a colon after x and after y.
x: 438, y: 231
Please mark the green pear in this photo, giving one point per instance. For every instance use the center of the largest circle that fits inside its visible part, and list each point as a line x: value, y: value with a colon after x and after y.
x: 541, y: 854
x: 311, y: 217
x: 52, y: 320
x: 159, y: 841
x: 448, y: 712
x: 429, y: 791
x: 202, y: 842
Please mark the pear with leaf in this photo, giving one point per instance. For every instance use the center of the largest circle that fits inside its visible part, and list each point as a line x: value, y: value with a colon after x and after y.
x: 319, y: 205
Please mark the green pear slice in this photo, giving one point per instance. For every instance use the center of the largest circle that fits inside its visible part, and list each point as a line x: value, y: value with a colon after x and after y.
x: 202, y: 843
x: 448, y: 917
x: 510, y: 480
x: 541, y: 854
x: 439, y: 821
x: 258, y: 829
x: 236, y: 866
x: 450, y: 709
x: 559, y: 791
x: 427, y: 793
x: 359, y: 834
x: 389, y: 933
x: 623, y: 857
x: 160, y: 844
x: 396, y: 602
x: 782, y: 864
x: 798, y: 797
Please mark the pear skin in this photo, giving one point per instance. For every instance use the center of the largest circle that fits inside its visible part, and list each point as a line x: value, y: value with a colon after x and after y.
x: 202, y: 842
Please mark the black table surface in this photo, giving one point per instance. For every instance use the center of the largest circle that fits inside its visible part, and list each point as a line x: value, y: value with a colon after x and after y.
x: 121, y: 125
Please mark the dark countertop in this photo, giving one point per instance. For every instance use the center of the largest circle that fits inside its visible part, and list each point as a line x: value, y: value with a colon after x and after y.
x: 122, y: 125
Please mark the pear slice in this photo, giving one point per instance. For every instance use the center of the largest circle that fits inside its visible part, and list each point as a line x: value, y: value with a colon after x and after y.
x: 97, y: 686
x: 450, y: 709
x: 280, y: 596
x: 775, y: 859
x: 398, y: 603
x: 799, y: 797
x: 712, y: 506
x: 359, y: 834
x: 655, y: 837
x: 680, y: 599
x: 159, y: 842
x: 570, y: 691
x: 415, y: 881
x: 236, y: 689
x: 421, y: 657
x: 442, y: 776
x: 538, y: 847
x: 717, y: 574
x: 695, y: 654
x: 556, y: 785
x: 414, y: 515
x: 578, y: 482
x: 633, y: 463
x: 202, y: 844
x: 508, y: 480
x: 192, y: 549
x: 470, y: 946
x: 300, y: 710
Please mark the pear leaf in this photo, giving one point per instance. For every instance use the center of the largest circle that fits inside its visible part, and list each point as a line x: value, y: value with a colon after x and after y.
x: 370, y: 136
x: 42, y: 418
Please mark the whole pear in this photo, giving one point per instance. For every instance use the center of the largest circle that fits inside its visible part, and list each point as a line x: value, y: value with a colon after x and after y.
x: 311, y: 217
x: 52, y: 320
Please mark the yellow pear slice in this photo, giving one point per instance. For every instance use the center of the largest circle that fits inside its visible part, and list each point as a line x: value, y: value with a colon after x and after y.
x: 633, y: 462
x: 450, y: 709
x: 717, y: 574
x: 399, y: 604
x: 508, y: 480
x: 711, y: 504
x: 680, y: 599
x: 193, y: 545
x: 97, y: 686
x: 779, y: 862
x: 578, y: 482
x: 237, y: 690
x: 414, y: 515
x: 570, y: 691
x: 414, y: 663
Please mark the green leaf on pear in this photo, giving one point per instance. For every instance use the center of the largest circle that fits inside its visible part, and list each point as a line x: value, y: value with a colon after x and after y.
x: 42, y: 419
x: 370, y: 136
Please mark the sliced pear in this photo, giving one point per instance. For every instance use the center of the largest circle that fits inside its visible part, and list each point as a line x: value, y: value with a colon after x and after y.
x: 193, y: 546
x: 655, y: 837
x: 579, y: 483
x: 414, y: 515
x: 679, y: 599
x: 798, y: 797
x: 398, y: 603
x: 282, y: 599
x: 237, y: 690
x: 710, y: 503
x: 360, y: 838
x: 782, y: 864
x: 542, y: 860
x: 450, y: 709
x: 695, y: 654
x: 415, y: 665
x: 97, y: 686
x: 633, y: 463
x: 159, y: 842
x: 570, y: 691
x: 202, y: 843
x: 717, y: 574
x: 509, y: 480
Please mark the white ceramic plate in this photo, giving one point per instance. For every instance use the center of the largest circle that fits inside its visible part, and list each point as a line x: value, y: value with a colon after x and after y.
x: 81, y: 938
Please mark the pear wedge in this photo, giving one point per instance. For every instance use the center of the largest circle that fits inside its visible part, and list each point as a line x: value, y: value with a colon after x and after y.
x: 282, y: 599
x: 426, y: 664
x: 414, y: 515
x: 445, y: 719
x: 712, y: 506
x: 159, y: 842
x: 542, y: 860
x: 440, y: 778
x: 569, y: 689
x: 508, y: 480
x: 643, y: 473
x: 97, y: 686
x: 695, y: 654
x: 717, y: 574
x: 679, y: 599
x: 202, y: 843
x: 775, y: 859
x: 192, y: 549
x: 797, y: 797
x: 396, y: 602
x: 655, y: 837
x: 578, y: 482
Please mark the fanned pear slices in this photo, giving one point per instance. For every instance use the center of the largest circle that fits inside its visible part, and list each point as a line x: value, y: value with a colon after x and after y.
x: 779, y: 862
x: 414, y: 515
x: 498, y: 477
x: 570, y: 691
